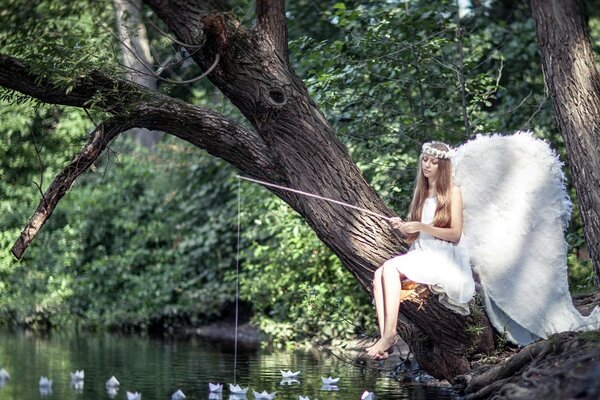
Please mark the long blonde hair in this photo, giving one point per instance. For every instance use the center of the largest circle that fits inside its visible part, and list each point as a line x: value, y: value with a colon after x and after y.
x: 443, y: 186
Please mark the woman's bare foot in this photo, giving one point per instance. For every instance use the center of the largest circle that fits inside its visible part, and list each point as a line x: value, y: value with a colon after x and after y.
x: 383, y: 345
x: 381, y: 355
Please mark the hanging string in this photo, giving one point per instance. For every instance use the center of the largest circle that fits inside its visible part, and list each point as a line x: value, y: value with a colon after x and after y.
x: 237, y: 280
x: 315, y: 196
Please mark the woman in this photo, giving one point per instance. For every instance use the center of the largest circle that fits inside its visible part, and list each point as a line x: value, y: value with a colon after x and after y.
x: 436, y: 256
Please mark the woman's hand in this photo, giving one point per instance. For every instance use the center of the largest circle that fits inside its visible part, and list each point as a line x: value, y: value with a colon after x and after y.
x: 411, y: 227
x: 396, y: 222
x: 399, y: 224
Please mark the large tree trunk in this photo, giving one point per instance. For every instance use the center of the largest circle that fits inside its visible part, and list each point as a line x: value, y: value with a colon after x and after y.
x: 572, y: 76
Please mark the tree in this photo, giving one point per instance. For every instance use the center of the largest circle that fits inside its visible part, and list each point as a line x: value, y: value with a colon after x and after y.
x: 137, y: 59
x: 291, y: 144
x: 572, y: 75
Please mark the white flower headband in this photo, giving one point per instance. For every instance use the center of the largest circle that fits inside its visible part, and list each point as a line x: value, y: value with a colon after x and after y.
x: 437, y: 153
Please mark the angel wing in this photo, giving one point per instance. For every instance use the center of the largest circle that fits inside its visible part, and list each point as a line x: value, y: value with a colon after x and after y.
x: 515, y: 212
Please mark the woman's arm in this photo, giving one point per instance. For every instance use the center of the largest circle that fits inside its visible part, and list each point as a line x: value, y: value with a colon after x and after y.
x: 451, y: 234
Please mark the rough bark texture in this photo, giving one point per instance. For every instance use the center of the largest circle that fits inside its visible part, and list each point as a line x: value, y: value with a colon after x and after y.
x: 574, y: 82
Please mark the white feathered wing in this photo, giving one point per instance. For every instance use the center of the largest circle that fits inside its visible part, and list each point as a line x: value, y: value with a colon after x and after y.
x: 515, y: 212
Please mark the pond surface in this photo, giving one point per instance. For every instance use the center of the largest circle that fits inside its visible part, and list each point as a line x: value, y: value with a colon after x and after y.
x: 158, y: 368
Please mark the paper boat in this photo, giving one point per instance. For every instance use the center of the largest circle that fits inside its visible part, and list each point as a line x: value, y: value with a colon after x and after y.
x: 367, y: 395
x: 289, y: 374
x: 45, y: 382
x: 77, y: 375
x: 178, y: 395
x: 264, y: 395
x: 236, y: 389
x: 330, y: 381
x: 4, y: 375
x: 303, y: 398
x: 112, y: 382
x: 215, y: 387
x: 134, y: 396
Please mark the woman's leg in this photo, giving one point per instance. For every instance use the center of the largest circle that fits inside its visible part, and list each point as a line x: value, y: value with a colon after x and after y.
x: 378, y: 297
x: 388, y: 313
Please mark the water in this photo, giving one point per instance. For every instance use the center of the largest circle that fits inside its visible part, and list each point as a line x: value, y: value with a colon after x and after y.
x: 157, y: 368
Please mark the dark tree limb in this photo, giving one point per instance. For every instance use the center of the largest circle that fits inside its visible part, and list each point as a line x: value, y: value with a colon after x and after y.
x: 99, y: 140
x: 272, y: 25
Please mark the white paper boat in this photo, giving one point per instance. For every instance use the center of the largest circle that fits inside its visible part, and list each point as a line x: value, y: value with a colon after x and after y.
x: 215, y: 387
x: 4, y: 375
x: 112, y: 382
x: 134, y: 396
x: 236, y: 389
x: 178, y: 395
x: 77, y: 375
x: 330, y: 381
x: 367, y: 395
x: 303, y: 398
x: 264, y: 395
x: 45, y: 382
x: 289, y: 374
x: 45, y: 391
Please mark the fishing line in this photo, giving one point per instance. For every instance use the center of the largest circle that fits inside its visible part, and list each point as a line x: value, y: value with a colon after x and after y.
x: 237, y: 280
x: 315, y: 196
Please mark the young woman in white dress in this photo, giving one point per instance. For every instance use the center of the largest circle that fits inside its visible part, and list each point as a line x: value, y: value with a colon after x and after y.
x: 436, y: 256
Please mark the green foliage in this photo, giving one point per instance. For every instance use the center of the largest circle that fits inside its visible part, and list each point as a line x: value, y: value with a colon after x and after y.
x: 62, y: 40
x: 297, y: 287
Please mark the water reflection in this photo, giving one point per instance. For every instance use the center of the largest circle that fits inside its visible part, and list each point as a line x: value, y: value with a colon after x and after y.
x: 158, y: 368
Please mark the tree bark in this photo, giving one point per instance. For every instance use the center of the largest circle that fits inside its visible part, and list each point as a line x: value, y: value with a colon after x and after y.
x: 572, y: 76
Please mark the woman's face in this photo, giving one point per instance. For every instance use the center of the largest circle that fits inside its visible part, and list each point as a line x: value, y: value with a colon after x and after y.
x: 429, y: 166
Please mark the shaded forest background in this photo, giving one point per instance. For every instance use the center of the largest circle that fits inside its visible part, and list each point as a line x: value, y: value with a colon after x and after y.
x: 148, y: 240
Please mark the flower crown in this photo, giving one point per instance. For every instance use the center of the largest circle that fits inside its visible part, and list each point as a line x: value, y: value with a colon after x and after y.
x: 437, y: 153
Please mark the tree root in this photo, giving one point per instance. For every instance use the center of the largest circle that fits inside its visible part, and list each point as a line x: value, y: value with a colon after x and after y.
x: 566, y: 365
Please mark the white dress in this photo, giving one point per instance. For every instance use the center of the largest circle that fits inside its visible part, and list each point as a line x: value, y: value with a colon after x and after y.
x: 442, y: 265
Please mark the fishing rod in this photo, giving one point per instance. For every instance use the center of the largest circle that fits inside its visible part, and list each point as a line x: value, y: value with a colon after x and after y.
x: 314, y: 196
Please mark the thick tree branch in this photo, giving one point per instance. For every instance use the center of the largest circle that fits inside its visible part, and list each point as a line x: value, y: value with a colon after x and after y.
x: 272, y: 25
x: 99, y: 139
x: 134, y: 107
x: 206, y: 129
